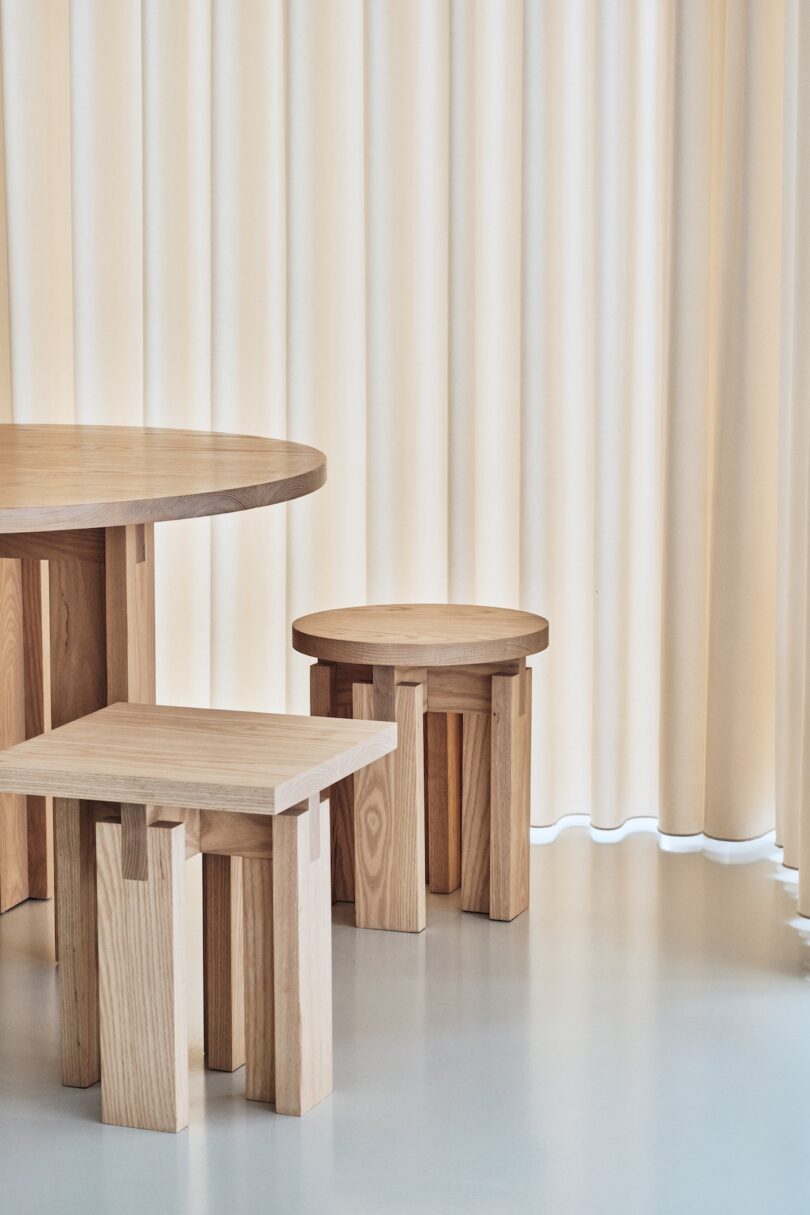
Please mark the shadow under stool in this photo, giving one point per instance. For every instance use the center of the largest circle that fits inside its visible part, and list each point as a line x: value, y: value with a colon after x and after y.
x: 454, y: 679
x: 123, y: 781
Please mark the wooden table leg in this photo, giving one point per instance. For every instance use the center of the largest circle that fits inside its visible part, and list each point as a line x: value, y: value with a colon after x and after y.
x: 13, y: 813
x: 101, y: 640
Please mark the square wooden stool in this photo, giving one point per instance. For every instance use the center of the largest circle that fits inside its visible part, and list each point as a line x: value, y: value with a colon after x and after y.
x: 455, y: 680
x: 123, y: 780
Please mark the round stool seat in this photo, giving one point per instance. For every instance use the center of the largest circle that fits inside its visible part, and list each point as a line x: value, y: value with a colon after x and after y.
x: 420, y: 634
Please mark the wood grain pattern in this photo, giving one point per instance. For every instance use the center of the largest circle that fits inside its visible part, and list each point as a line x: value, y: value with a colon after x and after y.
x: 390, y: 820
x: 324, y: 701
x: 75, y: 834
x: 210, y: 759
x: 223, y: 964
x: 260, y: 1051
x: 134, y: 845
x: 466, y: 689
x: 13, y: 808
x: 302, y: 950
x: 475, y: 811
x: 509, y: 829
x: 443, y: 801
x: 406, y: 634
x: 36, y: 645
x: 142, y: 987
x: 84, y: 545
x: 130, y: 613
x: 78, y: 642
x: 227, y: 834
x: 63, y: 477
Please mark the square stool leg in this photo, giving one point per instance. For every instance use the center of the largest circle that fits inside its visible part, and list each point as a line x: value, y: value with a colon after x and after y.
x: 260, y: 1048
x: 389, y: 804
x: 142, y: 990
x: 510, y: 782
x: 301, y: 958
x: 75, y: 846
x: 223, y: 969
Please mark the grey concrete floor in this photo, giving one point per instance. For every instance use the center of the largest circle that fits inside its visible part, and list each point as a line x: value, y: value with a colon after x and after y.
x: 639, y: 1042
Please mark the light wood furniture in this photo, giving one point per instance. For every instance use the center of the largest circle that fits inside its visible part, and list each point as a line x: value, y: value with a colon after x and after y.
x: 77, y: 510
x: 455, y: 680
x: 124, y: 780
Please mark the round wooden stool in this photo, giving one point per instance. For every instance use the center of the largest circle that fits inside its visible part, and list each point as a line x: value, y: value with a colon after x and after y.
x: 454, y: 678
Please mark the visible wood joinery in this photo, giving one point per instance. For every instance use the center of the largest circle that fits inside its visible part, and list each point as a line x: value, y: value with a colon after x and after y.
x: 443, y: 801
x: 274, y: 901
x: 134, y: 848
x: 223, y: 963
x: 142, y: 987
x: 13, y: 808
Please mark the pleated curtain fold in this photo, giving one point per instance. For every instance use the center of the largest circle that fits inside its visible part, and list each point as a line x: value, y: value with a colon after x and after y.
x: 536, y: 276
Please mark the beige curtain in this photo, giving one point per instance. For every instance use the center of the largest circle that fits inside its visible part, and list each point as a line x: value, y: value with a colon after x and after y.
x: 793, y: 624
x: 534, y: 275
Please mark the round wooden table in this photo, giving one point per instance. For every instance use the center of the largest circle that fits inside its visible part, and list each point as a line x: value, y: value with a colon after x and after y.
x: 77, y: 509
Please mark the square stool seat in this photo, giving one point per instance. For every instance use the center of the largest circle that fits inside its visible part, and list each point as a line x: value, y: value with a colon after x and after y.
x: 139, y: 788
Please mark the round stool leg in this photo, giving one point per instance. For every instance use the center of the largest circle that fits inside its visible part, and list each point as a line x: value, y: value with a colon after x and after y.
x: 389, y: 823
x: 509, y: 824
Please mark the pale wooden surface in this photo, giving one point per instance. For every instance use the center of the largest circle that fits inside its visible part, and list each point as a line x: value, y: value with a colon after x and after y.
x: 78, y: 647
x: 55, y: 477
x: 134, y: 846
x: 142, y: 986
x: 509, y: 825
x: 475, y: 811
x: 130, y: 613
x: 37, y: 650
x: 390, y: 815
x: 223, y: 962
x: 420, y: 634
x: 75, y: 834
x: 209, y: 759
x: 260, y: 1050
x: 302, y: 953
x: 443, y: 800
x: 13, y: 808
x: 325, y: 701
